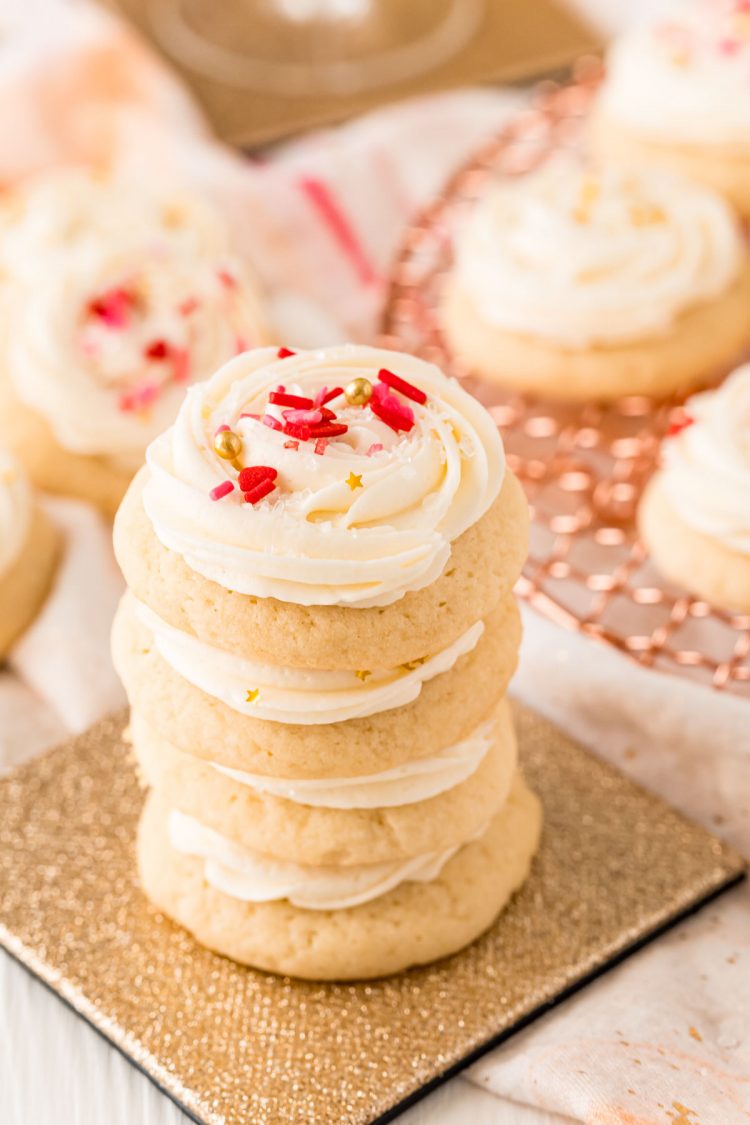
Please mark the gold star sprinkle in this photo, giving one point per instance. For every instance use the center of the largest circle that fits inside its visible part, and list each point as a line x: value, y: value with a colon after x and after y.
x: 362, y: 675
x: 354, y: 480
x: 411, y: 665
x: 252, y: 695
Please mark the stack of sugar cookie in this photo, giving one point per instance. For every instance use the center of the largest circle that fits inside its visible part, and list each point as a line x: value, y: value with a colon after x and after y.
x: 316, y: 643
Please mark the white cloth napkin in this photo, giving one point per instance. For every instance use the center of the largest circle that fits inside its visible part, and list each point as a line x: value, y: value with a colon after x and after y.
x: 664, y: 1038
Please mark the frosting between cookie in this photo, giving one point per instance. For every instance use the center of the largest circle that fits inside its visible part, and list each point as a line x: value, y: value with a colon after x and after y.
x: 15, y: 511
x: 251, y: 877
x: 117, y: 298
x: 684, y: 79
x: 297, y: 695
x: 577, y: 256
x: 417, y: 780
x: 362, y: 522
x: 706, y: 466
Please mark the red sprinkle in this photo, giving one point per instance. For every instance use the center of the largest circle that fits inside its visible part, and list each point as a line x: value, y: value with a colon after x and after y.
x: 255, y: 416
x: 297, y: 430
x: 261, y: 489
x: 399, y: 384
x: 677, y: 427
x: 221, y: 490
x: 374, y: 448
x: 320, y: 445
x: 291, y: 445
x: 282, y: 353
x: 281, y: 398
x: 303, y: 417
x: 226, y: 279
x: 274, y: 423
x: 254, y: 474
x: 328, y: 415
x: 113, y: 307
x: 221, y: 429
x: 240, y: 345
x: 328, y: 430
x: 323, y: 396
x: 159, y: 349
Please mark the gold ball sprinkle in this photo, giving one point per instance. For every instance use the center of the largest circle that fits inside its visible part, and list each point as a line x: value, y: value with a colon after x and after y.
x: 228, y: 445
x: 358, y: 392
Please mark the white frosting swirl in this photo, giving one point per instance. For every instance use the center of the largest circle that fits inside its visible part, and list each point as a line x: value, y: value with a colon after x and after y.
x: 15, y: 511
x: 684, y: 78
x: 353, y: 526
x: 297, y: 695
x: 247, y: 875
x: 577, y: 256
x: 118, y: 297
x: 417, y: 780
x: 706, y: 471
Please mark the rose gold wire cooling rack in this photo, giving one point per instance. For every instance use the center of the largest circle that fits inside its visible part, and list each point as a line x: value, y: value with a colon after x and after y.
x: 583, y: 467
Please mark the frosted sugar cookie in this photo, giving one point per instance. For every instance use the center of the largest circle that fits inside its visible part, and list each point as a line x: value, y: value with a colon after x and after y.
x: 425, y: 804
x: 695, y: 513
x: 675, y: 95
x: 29, y: 548
x: 576, y: 283
x: 329, y: 923
x: 117, y: 297
x: 410, y: 518
x: 293, y: 722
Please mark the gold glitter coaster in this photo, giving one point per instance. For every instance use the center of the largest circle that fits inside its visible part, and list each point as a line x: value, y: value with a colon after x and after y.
x: 230, y: 1045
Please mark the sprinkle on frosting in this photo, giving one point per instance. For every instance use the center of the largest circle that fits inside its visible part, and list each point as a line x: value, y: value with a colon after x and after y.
x: 371, y: 519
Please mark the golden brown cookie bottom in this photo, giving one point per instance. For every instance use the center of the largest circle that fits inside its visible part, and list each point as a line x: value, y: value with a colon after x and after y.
x: 411, y: 925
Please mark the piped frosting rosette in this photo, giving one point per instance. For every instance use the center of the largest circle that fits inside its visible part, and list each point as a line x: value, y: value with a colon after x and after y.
x: 117, y: 298
x: 279, y: 480
x: 578, y: 256
x: 15, y: 511
x: 706, y: 463
x: 684, y: 77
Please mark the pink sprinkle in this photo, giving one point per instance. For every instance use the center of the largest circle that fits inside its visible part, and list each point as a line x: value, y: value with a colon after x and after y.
x: 274, y: 423
x: 222, y: 489
x: 320, y: 445
x: 374, y: 448
x: 255, y: 416
x: 240, y: 344
x: 139, y: 397
x: 189, y: 306
x: 226, y: 279
x: 303, y: 417
x: 180, y: 365
x: 729, y: 46
x: 222, y: 429
x: 291, y: 445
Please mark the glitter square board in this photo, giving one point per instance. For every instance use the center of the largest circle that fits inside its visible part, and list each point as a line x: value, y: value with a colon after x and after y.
x: 229, y: 1045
